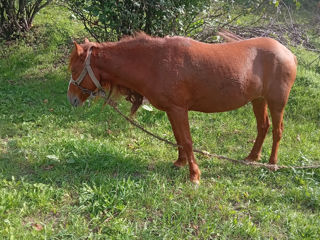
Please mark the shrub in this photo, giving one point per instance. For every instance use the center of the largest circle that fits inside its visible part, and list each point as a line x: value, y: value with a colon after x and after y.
x: 110, y: 20
x: 17, y: 16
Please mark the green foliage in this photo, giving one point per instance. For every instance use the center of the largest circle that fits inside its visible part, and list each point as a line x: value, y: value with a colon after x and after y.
x: 110, y: 20
x: 200, y: 19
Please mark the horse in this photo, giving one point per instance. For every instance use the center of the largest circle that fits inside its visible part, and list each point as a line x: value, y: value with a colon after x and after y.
x: 179, y: 74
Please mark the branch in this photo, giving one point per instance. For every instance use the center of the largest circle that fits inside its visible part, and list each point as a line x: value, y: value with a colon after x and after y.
x: 84, y: 20
x: 35, y: 9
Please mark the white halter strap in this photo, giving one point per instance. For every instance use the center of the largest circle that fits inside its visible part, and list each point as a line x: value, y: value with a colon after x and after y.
x: 87, y: 69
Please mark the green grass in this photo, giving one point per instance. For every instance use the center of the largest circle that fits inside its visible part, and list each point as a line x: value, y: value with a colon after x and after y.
x: 87, y: 174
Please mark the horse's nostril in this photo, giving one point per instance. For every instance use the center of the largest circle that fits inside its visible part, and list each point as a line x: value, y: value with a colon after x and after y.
x: 76, y: 101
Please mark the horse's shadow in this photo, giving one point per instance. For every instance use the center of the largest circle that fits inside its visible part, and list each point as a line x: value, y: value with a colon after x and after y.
x: 79, y: 168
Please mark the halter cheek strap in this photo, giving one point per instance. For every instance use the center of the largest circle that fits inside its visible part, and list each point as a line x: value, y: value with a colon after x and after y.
x: 87, y: 69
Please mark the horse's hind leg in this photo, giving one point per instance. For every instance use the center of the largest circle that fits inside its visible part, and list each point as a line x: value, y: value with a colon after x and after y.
x: 261, y: 113
x: 276, y: 112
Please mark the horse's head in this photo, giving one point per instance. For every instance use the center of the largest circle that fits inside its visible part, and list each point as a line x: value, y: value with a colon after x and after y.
x: 86, y: 79
x: 83, y: 82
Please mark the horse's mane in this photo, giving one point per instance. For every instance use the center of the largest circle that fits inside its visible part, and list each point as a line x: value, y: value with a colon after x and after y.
x: 225, y: 34
x: 136, y: 36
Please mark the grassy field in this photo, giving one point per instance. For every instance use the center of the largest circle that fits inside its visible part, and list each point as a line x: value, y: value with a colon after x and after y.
x: 87, y: 174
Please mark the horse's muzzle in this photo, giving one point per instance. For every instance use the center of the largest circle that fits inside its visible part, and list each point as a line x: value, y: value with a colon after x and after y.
x: 74, y: 100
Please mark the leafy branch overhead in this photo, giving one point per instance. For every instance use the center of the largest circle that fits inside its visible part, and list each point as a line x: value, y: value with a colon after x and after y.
x: 200, y: 19
x: 109, y: 20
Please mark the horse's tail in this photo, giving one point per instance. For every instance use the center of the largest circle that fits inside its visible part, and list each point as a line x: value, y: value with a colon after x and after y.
x: 229, y: 36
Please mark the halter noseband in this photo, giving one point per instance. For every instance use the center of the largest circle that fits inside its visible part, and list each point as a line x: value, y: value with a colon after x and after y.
x: 87, y: 69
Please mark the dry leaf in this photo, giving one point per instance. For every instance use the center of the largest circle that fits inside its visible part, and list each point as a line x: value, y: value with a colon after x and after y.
x: 48, y: 167
x: 37, y: 226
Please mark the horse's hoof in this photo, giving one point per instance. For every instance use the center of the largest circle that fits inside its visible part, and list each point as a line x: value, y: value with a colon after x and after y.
x: 252, y: 159
x: 196, y: 183
x: 179, y: 164
x: 175, y: 167
x: 195, y: 179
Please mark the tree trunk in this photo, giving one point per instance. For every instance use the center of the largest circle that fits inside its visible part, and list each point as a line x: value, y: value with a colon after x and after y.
x: 17, y: 16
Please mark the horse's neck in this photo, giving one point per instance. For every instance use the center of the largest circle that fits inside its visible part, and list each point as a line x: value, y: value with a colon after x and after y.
x: 116, y: 61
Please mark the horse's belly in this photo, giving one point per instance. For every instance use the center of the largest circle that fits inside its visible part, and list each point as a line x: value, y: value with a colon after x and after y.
x: 224, y: 99
x: 222, y: 104
x: 226, y: 95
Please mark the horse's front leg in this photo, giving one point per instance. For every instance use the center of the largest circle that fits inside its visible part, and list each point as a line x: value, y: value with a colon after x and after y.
x: 180, y: 125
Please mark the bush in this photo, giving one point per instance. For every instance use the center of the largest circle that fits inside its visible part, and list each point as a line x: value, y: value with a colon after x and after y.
x: 110, y: 20
x: 17, y: 16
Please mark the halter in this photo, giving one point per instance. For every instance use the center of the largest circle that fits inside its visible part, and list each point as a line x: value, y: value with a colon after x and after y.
x: 87, y: 69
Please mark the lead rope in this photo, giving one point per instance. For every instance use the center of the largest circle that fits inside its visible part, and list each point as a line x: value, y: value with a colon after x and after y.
x: 205, y: 153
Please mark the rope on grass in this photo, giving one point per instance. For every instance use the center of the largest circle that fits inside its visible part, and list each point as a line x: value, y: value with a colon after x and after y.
x: 205, y: 153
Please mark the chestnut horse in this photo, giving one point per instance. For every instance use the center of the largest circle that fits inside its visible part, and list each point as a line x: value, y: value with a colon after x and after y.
x: 178, y: 74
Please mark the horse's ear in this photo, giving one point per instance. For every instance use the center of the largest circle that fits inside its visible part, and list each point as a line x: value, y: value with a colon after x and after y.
x: 79, y: 49
x: 86, y: 40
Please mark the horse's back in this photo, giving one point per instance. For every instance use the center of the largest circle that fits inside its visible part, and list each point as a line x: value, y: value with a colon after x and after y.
x: 222, y: 77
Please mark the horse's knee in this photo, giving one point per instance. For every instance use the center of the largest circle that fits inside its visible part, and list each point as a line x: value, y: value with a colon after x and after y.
x: 263, y: 128
x: 277, y: 133
x: 267, y: 124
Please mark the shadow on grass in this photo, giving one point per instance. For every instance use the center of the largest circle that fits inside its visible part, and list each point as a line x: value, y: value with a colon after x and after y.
x: 78, y: 167
x: 73, y: 170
